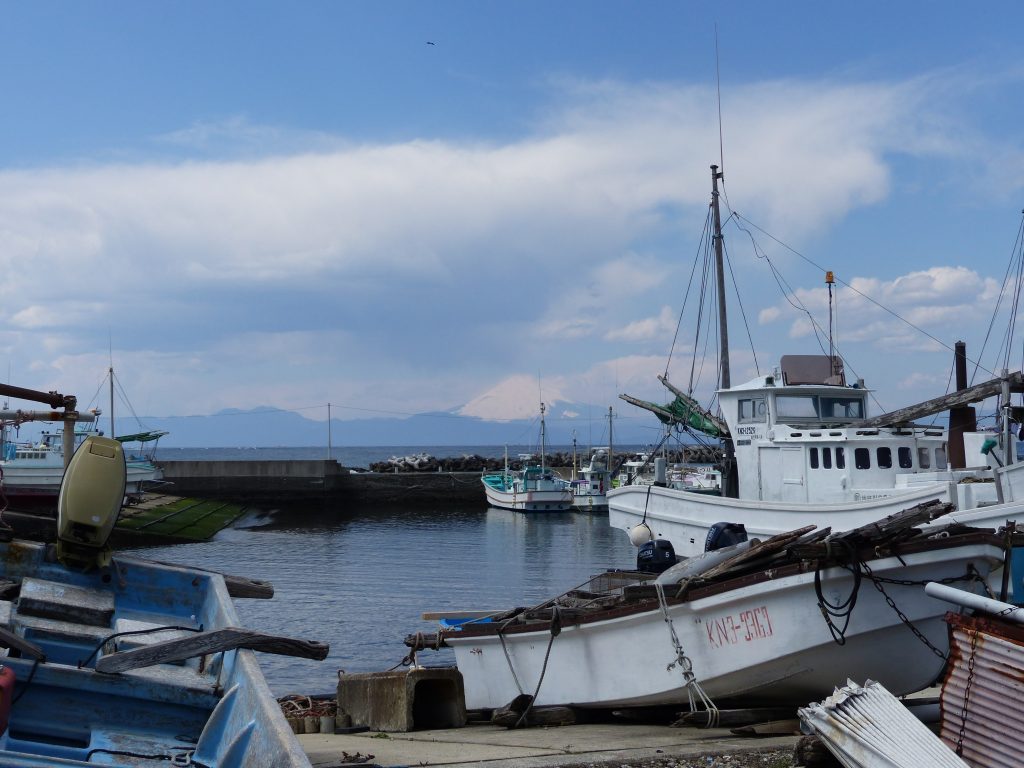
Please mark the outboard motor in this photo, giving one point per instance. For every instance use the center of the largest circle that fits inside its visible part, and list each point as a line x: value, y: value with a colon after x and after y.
x: 655, y: 556
x: 90, y: 498
x: 724, y: 535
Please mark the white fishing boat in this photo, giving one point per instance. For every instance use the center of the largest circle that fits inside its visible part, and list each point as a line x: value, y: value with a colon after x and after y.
x: 31, y: 470
x: 590, y: 489
x: 801, y: 449
x: 533, y: 488
x: 783, y: 621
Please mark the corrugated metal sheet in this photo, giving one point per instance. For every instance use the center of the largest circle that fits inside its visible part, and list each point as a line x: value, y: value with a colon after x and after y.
x: 868, y: 727
x: 993, y: 730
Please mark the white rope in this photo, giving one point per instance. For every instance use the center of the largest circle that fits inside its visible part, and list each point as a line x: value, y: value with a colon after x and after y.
x: 694, y: 692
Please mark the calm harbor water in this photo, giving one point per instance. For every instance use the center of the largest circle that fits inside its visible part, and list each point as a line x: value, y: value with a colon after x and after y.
x: 360, y: 580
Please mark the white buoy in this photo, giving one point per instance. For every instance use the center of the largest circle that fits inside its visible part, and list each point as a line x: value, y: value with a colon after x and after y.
x: 640, y: 534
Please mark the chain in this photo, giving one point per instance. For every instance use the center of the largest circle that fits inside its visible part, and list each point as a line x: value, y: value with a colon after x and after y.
x: 877, y: 581
x: 967, y: 695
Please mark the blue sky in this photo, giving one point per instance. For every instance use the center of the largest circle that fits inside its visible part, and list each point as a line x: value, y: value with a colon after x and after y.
x: 281, y: 204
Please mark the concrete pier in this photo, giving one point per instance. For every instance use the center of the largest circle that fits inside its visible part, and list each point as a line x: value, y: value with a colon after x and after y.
x: 305, y: 482
x: 574, y: 745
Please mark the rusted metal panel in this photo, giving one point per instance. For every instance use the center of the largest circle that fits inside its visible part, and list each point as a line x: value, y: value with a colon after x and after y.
x: 982, y: 691
x: 868, y: 727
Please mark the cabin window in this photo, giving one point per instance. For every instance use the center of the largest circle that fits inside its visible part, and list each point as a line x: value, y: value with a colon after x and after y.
x: 884, y: 457
x: 840, y: 458
x: 796, y: 406
x: 940, y: 458
x: 905, y: 457
x: 862, y: 458
x: 826, y: 458
x: 753, y: 409
x: 814, y: 458
x: 842, y: 408
x: 924, y: 458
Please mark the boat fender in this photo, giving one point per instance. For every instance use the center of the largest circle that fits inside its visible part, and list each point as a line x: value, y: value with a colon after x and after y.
x: 6, y: 693
x: 724, y: 535
x: 656, y: 556
x: 640, y: 534
x: 694, y: 566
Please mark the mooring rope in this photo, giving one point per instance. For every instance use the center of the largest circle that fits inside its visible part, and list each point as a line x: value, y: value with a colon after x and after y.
x: 694, y: 692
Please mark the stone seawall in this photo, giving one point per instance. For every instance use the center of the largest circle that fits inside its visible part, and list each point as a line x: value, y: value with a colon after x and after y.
x: 302, y: 482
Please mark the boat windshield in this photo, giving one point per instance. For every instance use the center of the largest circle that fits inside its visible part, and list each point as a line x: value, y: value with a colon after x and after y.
x: 819, y: 407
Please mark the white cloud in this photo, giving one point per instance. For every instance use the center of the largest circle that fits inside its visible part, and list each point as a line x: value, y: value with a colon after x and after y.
x: 648, y: 328
x: 359, y: 271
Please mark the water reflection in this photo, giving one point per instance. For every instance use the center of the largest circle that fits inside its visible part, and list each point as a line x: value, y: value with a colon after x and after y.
x: 360, y: 581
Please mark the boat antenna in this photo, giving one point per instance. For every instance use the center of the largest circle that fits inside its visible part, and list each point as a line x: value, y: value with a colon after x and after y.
x: 830, y: 281
x: 718, y: 87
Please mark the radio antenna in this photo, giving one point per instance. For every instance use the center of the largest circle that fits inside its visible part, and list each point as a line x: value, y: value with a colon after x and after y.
x: 718, y: 86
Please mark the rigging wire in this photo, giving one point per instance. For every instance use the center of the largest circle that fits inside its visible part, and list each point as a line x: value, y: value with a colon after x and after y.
x: 859, y: 293
x: 743, y: 311
x: 679, y: 323
x: 790, y: 295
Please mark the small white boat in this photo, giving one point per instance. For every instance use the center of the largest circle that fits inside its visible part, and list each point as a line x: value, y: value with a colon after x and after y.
x: 590, y: 489
x: 534, y: 488
x: 530, y: 489
x: 754, y: 626
x: 34, y: 469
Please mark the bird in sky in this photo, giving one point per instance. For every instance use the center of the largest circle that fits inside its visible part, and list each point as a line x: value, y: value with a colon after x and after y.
x: 429, y: 42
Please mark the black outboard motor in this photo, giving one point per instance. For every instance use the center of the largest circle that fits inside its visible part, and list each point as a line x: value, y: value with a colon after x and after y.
x: 655, y: 556
x: 724, y: 535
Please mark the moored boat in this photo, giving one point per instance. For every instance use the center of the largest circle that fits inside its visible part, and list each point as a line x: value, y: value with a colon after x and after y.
x: 800, y: 448
x: 533, y: 488
x: 121, y: 661
x: 590, y: 489
x: 785, y: 620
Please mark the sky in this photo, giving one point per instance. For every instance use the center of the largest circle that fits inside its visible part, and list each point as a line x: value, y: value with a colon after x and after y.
x: 403, y: 207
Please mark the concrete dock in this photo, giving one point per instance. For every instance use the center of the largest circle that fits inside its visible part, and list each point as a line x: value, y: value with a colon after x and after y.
x: 308, y: 483
x: 572, y: 745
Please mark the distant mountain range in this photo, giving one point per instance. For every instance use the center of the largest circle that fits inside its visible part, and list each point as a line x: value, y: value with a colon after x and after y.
x: 272, y: 427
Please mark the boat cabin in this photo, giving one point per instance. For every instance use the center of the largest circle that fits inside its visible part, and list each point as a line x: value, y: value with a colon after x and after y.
x: 797, y: 437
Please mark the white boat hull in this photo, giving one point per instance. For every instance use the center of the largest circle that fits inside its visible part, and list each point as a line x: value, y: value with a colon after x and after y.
x: 530, y: 501
x: 685, y: 517
x: 767, y: 641
x: 23, y: 479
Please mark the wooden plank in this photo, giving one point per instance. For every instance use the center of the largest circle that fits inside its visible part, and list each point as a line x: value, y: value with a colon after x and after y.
x: 961, y: 397
x: 438, y: 615
x: 238, y: 586
x: 771, y: 728
x: 757, y: 550
x: 205, y: 643
x: 18, y: 643
x: 65, y: 602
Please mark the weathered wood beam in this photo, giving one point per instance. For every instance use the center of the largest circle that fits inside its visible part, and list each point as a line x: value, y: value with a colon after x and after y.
x: 954, y: 399
x: 205, y: 643
x: 720, y: 423
x: 18, y: 643
x: 655, y: 409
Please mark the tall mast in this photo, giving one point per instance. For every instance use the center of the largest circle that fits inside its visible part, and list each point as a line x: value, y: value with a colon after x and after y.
x: 611, y: 444
x: 723, y: 326
x: 542, y: 438
x: 730, y: 485
x: 110, y: 372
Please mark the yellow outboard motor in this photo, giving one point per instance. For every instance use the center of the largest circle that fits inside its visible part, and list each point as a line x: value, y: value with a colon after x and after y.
x: 91, y: 495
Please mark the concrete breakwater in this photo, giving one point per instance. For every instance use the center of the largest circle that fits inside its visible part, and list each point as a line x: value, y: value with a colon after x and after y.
x: 697, y: 454
x: 306, y: 483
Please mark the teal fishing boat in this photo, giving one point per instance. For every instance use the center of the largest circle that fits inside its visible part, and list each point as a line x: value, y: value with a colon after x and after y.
x: 533, y: 488
x: 120, y: 661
